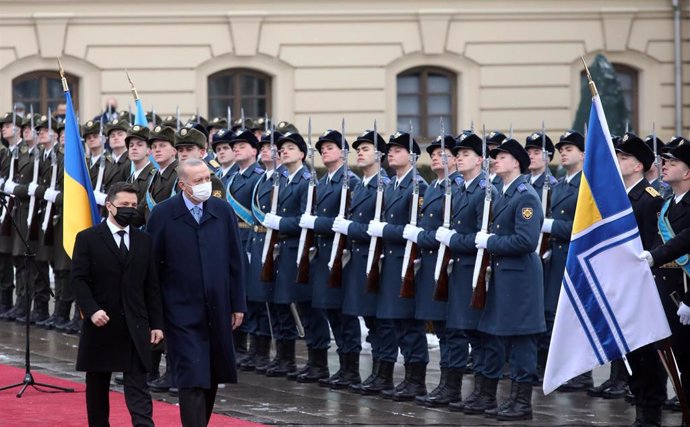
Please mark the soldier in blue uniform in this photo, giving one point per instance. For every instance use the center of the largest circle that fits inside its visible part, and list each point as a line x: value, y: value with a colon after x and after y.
x: 493, y: 140
x: 258, y: 291
x: 462, y: 320
x: 514, y: 314
x: 292, y: 201
x: 239, y: 190
x: 224, y: 156
x: 357, y: 300
x: 326, y: 299
x: 537, y: 166
x: 397, y: 324
x: 426, y: 308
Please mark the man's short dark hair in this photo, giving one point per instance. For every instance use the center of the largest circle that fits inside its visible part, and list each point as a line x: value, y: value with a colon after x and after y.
x: 119, y: 187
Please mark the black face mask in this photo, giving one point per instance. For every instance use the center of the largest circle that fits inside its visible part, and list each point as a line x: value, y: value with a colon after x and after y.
x: 127, y: 216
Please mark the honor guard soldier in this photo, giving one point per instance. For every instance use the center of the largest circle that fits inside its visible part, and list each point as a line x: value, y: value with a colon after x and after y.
x: 102, y: 170
x: 164, y: 183
x: 462, y: 320
x: 396, y: 316
x: 514, y: 314
x: 190, y: 143
x: 11, y: 132
x: 292, y: 200
x: 224, y: 156
x: 214, y: 126
x: 258, y: 291
x: 427, y: 308
x: 327, y: 299
x: 116, y: 132
x: 239, y: 194
x: 670, y: 261
x: 653, y: 175
x: 153, y: 119
x: 537, y: 166
x: 493, y: 140
x: 357, y: 299
x: 143, y: 171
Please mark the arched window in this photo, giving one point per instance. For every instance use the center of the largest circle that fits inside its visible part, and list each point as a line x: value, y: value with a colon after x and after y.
x: 424, y: 95
x: 239, y: 88
x: 627, y: 76
x: 43, y: 90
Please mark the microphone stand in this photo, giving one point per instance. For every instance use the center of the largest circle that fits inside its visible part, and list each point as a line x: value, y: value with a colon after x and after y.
x: 28, y: 377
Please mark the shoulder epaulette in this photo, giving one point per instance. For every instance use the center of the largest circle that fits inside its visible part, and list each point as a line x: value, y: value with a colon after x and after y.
x: 214, y: 163
x: 385, y: 180
x: 482, y: 183
x: 420, y: 179
x: 351, y: 174
x: 553, y: 180
x: 561, y: 180
x: 258, y: 170
x: 522, y: 188
x: 652, y: 192
x: 108, y: 157
x: 24, y: 149
x: 153, y: 171
x: 458, y: 180
x: 285, y: 173
x: 306, y: 175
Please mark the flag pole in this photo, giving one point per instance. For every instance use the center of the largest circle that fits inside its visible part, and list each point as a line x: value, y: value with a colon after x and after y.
x: 668, y: 359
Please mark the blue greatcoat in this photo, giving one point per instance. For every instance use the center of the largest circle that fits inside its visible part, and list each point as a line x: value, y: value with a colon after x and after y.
x: 430, y: 219
x: 563, y: 202
x: 201, y: 285
x: 239, y: 189
x: 397, y: 203
x: 292, y: 200
x: 356, y: 300
x: 468, y: 207
x: 538, y: 185
x: 326, y: 209
x: 515, y: 299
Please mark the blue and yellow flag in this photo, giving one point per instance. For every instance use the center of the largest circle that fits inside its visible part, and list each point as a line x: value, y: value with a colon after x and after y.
x: 140, y: 116
x: 608, y: 304
x: 80, y: 210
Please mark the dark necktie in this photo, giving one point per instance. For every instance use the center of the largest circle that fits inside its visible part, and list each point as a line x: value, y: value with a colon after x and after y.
x: 123, y: 247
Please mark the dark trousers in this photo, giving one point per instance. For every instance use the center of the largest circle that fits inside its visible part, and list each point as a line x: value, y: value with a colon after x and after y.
x: 648, y: 380
x: 522, y: 357
x: 284, y: 328
x: 317, y: 335
x: 32, y: 277
x: 6, y: 273
x: 196, y: 405
x: 457, y: 348
x: 346, y: 331
x: 440, y: 331
x: 411, y: 334
x: 478, y: 343
x: 258, y: 319
x: 387, y: 340
x: 372, y: 337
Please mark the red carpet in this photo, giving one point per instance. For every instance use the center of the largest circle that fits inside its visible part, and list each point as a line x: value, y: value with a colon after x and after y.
x: 35, y: 408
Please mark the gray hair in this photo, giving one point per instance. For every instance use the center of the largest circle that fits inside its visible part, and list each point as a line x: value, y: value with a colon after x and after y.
x: 189, y: 163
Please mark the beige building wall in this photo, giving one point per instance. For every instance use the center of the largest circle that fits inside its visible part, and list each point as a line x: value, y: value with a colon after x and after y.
x: 517, y: 61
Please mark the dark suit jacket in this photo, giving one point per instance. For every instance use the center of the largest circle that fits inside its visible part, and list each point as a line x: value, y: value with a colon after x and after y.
x: 126, y: 288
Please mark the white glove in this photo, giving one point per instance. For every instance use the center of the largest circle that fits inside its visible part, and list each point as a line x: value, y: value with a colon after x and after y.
x: 307, y: 221
x: 272, y: 221
x: 684, y: 314
x: 444, y: 235
x: 2, y: 182
x: 100, y: 198
x: 375, y: 228
x: 50, y: 195
x: 547, y: 226
x: 341, y: 225
x: 411, y: 233
x: 646, y: 256
x: 249, y: 257
x: 9, y: 187
x: 32, y: 189
x: 481, y: 240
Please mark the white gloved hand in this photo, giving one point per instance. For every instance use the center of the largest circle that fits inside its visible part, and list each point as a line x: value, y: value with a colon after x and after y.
x: 684, y: 314
x: 32, y: 189
x: 341, y: 225
x: 646, y: 256
x: 272, y: 221
x: 547, y: 226
x: 2, y: 182
x: 444, y: 235
x: 307, y: 221
x: 481, y: 240
x: 100, y: 198
x: 411, y: 233
x: 9, y: 187
x: 50, y: 195
x: 249, y: 257
x: 375, y: 228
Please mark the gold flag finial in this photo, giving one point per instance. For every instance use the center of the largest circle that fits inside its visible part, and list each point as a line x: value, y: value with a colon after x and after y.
x: 592, y: 86
x: 134, y: 89
x: 65, y: 88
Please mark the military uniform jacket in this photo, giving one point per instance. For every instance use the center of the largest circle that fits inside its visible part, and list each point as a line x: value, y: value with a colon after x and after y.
x: 538, y: 185
x: 44, y: 252
x: 396, y: 209
x: 5, y: 159
x: 292, y: 200
x: 163, y: 186
x: 240, y: 188
x: 515, y: 299
x: 60, y: 259
x: 468, y: 208
x: 563, y: 203
x: 646, y: 204
x: 23, y: 177
x: 326, y: 209
x: 141, y: 182
x: 356, y: 300
x: 124, y: 167
x: 111, y: 173
x: 430, y: 219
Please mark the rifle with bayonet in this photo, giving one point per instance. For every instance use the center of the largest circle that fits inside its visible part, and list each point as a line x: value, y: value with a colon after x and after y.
x: 47, y: 225
x: 410, y: 257
x: 482, y: 263
x: 657, y: 158
x: 306, y: 236
x: 335, y: 264
x: 271, y: 239
x: 5, y: 217
x: 376, y: 244
x: 443, y: 257
x: 543, y: 243
x: 34, y: 204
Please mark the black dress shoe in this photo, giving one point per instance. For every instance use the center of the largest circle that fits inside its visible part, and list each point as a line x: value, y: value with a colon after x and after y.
x: 579, y: 383
x: 617, y: 390
x: 161, y: 384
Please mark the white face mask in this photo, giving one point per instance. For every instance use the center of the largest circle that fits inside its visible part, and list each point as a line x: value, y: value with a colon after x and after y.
x: 202, y: 191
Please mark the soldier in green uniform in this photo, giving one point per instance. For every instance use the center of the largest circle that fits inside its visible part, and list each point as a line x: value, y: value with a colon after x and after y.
x: 102, y: 171
x: 142, y: 173
x: 116, y: 131
x: 11, y: 133
x: 164, y: 182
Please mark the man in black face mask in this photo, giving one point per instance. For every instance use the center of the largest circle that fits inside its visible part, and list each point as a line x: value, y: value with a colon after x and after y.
x: 111, y: 260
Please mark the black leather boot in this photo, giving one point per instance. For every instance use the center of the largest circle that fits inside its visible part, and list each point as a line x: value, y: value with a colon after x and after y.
x: 521, y: 409
x: 357, y: 388
x: 486, y: 399
x: 261, y: 353
x: 647, y: 416
x: 450, y: 393
x: 286, y: 363
x: 239, y: 338
x: 249, y: 359
x: 619, y: 381
x: 492, y: 413
x: 460, y: 404
x: 422, y: 400
x: 292, y: 376
x: 350, y: 375
x: 388, y: 394
x: 579, y: 383
x: 261, y: 368
x: 326, y: 382
x: 382, y: 381
x: 6, y: 300
x: 416, y: 386
x: 318, y: 369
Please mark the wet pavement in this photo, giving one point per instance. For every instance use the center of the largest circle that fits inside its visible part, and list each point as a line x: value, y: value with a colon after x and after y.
x: 278, y: 401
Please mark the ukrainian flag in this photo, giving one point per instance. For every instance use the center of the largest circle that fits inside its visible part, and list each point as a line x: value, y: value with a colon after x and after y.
x: 609, y: 304
x: 79, y: 206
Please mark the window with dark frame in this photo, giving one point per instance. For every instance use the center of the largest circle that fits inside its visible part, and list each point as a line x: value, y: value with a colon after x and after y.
x: 424, y: 96
x: 43, y: 90
x: 628, y: 77
x: 239, y: 88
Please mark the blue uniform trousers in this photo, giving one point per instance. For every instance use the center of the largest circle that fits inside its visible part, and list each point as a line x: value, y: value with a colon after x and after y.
x: 373, y: 336
x: 257, y: 317
x: 283, y: 323
x: 387, y: 340
x: 411, y: 335
x: 522, y: 351
x: 458, y: 351
x: 442, y: 334
x: 316, y: 332
x: 348, y: 336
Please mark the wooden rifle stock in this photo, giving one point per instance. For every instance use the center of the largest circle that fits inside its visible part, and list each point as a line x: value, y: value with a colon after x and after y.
x: 407, y: 287
x: 271, y: 239
x: 374, y: 275
x: 478, y: 300
x: 441, y: 289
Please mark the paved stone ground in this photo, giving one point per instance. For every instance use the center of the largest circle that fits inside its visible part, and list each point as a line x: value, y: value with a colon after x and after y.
x: 278, y: 401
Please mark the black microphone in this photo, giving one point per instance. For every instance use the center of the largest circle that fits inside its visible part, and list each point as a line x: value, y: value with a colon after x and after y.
x: 5, y: 194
